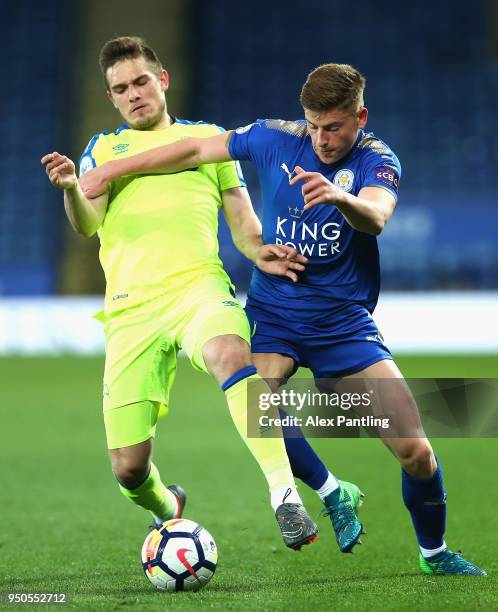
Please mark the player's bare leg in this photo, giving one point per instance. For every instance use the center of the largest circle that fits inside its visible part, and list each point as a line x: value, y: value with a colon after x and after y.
x: 225, y: 355
x: 274, y: 368
x: 132, y: 463
x: 140, y: 482
x: 396, y: 401
x: 228, y: 359
x: 422, y: 480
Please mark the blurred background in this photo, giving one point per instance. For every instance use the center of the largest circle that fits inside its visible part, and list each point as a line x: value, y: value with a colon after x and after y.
x: 432, y: 90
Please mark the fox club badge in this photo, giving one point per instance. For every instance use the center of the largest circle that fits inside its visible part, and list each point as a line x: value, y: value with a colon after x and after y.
x: 343, y: 179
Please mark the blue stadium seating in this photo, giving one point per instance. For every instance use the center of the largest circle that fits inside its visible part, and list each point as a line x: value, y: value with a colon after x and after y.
x: 432, y: 86
x: 29, y: 218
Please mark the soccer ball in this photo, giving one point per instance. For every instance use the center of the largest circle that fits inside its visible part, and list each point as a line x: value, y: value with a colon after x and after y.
x: 180, y: 556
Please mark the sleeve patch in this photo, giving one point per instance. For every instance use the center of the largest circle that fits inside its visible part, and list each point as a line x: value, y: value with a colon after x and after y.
x: 387, y: 175
x: 86, y: 164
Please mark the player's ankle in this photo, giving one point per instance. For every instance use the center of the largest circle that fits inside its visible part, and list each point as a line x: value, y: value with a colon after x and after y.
x: 328, y: 487
x: 284, y: 495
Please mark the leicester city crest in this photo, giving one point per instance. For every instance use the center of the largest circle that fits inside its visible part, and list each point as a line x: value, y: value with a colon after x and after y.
x: 344, y: 180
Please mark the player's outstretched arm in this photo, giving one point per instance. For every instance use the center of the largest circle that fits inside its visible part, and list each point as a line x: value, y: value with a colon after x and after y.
x: 367, y: 212
x: 174, y: 157
x: 245, y: 228
x: 85, y: 215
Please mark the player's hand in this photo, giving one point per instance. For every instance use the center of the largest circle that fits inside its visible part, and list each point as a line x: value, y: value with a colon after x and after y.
x: 95, y: 182
x: 316, y: 189
x: 60, y: 170
x: 280, y: 260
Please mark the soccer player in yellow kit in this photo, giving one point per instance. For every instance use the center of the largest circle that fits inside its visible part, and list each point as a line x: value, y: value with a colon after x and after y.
x: 166, y: 286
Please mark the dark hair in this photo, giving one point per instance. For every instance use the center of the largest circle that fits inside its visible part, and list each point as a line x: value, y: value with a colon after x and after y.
x: 127, y: 47
x: 333, y: 86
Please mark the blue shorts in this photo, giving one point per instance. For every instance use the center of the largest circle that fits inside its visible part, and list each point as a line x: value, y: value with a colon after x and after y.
x: 344, y: 340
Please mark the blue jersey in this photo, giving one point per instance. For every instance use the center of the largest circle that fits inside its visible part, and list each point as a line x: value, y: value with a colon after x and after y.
x: 343, y: 263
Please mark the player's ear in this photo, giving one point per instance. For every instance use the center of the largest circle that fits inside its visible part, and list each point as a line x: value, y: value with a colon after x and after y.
x: 362, y: 117
x: 164, y: 78
x: 111, y: 99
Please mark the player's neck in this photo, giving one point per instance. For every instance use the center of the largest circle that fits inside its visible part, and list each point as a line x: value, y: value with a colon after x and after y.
x: 165, y: 122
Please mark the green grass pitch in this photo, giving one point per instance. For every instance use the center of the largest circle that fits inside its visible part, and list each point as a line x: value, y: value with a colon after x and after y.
x: 66, y: 528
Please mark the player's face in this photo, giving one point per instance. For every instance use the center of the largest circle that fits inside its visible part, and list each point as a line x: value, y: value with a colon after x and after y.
x: 138, y: 93
x: 334, y: 132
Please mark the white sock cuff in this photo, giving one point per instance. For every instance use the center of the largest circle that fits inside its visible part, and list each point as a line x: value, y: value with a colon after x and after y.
x: 284, y: 495
x: 427, y: 552
x: 328, y: 486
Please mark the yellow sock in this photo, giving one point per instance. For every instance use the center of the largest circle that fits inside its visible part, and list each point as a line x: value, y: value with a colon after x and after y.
x: 268, y: 449
x: 152, y: 495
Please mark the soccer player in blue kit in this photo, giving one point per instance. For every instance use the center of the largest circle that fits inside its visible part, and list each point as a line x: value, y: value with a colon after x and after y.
x: 348, y: 179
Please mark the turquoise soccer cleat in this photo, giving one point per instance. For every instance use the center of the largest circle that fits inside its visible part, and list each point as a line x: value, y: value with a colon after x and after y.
x: 342, y: 508
x: 448, y: 563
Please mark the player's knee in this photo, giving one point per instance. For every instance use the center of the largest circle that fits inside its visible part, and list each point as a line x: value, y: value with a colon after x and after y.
x: 232, y: 359
x: 226, y: 357
x: 418, y: 459
x: 129, y: 471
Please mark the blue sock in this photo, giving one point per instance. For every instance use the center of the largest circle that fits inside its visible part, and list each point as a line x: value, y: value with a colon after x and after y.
x: 425, y: 499
x: 304, y: 462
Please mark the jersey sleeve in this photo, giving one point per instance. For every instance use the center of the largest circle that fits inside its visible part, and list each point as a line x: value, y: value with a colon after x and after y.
x: 229, y: 173
x: 250, y: 142
x: 94, y: 155
x: 382, y: 170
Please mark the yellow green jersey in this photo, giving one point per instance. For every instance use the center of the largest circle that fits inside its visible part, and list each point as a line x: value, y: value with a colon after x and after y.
x: 160, y: 230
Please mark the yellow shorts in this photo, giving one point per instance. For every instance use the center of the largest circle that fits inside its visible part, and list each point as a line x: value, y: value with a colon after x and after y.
x: 142, y: 343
